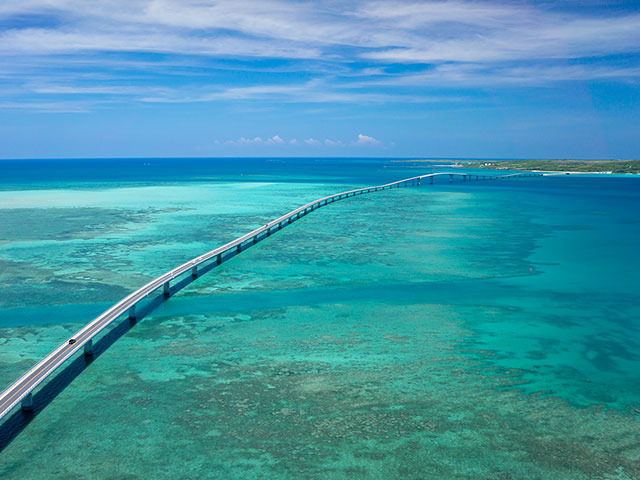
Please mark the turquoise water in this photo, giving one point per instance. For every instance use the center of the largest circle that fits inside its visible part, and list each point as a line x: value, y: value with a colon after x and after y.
x: 484, y: 330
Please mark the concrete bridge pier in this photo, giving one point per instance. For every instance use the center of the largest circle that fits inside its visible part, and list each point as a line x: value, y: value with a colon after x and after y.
x: 166, y: 289
x: 255, y: 239
x: 88, y: 348
x: 132, y: 312
x: 464, y: 178
x: 239, y: 248
x: 431, y: 180
x: 194, y: 271
x: 219, y: 259
x: 451, y: 178
x: 27, y: 403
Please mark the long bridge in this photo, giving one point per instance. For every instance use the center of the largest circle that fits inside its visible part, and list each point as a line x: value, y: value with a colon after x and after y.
x: 21, y: 390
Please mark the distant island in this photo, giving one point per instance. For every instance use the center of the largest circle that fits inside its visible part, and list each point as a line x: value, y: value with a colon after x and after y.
x: 560, y: 165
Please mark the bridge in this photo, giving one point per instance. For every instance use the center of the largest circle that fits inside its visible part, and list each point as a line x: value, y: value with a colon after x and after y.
x: 21, y: 390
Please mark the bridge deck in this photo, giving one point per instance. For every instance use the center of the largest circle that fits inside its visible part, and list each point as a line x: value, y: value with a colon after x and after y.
x: 21, y: 389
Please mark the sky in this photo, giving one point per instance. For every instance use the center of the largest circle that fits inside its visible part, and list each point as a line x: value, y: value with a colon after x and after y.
x: 382, y: 78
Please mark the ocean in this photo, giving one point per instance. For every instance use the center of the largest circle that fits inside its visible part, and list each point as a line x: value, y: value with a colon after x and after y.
x: 457, y: 330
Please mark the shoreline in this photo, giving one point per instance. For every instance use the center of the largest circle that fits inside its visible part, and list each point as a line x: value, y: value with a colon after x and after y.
x: 560, y: 167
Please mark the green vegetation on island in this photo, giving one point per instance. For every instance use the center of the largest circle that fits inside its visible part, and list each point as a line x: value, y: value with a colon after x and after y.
x: 600, y: 166
x: 557, y: 165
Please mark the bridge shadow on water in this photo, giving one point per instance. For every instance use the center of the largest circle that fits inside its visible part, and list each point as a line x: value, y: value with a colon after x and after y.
x: 20, y: 419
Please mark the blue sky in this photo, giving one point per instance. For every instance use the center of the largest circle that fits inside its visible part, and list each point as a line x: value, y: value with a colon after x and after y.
x: 457, y: 78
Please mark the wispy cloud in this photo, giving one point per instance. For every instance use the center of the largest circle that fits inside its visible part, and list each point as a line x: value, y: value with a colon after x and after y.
x: 188, y: 51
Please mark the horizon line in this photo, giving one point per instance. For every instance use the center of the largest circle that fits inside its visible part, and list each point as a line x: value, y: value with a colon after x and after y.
x: 219, y: 157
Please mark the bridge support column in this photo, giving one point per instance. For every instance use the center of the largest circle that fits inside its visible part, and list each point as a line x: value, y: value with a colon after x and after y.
x: 239, y: 248
x: 219, y: 259
x: 166, y: 289
x: 464, y: 178
x: 88, y: 348
x: 27, y: 403
x: 255, y: 239
x: 194, y: 271
x: 430, y: 180
x: 132, y: 312
x: 451, y: 178
x: 269, y: 232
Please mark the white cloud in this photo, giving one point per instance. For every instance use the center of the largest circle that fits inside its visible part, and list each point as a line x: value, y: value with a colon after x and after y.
x: 248, y: 141
x: 278, y: 140
x: 382, y: 30
x: 275, y: 140
x: 366, y: 140
x: 350, y: 50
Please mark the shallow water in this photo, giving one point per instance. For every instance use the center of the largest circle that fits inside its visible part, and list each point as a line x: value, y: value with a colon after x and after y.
x: 483, y: 330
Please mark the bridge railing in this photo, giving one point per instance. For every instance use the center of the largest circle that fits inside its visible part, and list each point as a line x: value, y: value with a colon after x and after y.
x: 21, y: 389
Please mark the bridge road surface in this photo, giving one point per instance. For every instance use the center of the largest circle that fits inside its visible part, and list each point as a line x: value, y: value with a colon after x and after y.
x: 21, y: 389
